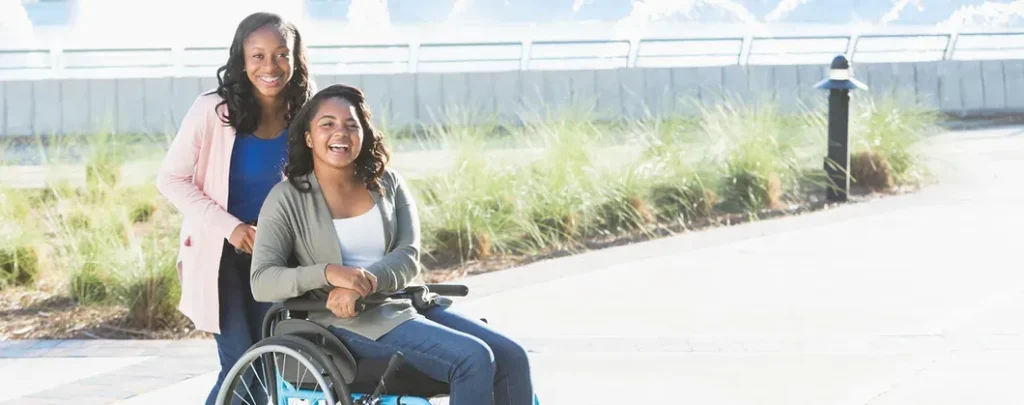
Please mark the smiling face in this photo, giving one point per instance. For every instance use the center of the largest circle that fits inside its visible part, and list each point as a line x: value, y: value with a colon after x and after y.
x: 335, y: 134
x: 268, y: 61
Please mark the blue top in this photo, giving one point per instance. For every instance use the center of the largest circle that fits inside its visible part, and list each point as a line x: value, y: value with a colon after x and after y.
x: 256, y: 166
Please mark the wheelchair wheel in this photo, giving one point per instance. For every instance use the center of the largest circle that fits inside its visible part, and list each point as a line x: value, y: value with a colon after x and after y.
x: 293, y: 370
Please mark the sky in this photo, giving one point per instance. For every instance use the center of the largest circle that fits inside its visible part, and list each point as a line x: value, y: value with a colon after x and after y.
x: 805, y: 11
x: 56, y: 12
x: 26, y: 23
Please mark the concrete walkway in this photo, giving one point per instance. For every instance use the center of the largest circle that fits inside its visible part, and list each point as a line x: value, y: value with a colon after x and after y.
x: 916, y: 299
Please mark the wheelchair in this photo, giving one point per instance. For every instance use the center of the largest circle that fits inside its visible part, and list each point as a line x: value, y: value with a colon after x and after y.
x: 303, y: 363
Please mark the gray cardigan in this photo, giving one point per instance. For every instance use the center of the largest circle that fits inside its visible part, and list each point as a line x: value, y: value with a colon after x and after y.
x: 296, y: 226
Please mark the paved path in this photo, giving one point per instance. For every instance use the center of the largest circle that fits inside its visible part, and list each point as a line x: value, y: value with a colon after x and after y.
x: 908, y: 300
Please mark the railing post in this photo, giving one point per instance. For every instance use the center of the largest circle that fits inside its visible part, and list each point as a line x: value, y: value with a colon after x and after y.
x: 524, y: 57
x: 412, y: 65
x: 744, y: 57
x: 837, y: 163
x: 851, y: 46
x: 950, y: 46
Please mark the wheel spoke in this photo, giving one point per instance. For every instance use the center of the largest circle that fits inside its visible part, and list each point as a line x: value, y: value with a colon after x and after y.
x: 240, y: 397
x: 303, y: 378
x: 265, y: 387
x: 312, y: 369
x: 247, y: 391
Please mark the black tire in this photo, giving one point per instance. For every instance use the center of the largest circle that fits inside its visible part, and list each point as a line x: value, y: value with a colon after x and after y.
x: 333, y: 373
x: 312, y: 357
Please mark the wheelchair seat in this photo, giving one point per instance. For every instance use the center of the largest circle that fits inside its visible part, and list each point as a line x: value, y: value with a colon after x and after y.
x: 362, y: 375
x: 407, y: 381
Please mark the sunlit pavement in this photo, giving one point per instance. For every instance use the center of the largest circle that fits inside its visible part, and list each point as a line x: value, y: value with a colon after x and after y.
x: 917, y: 299
x: 191, y: 391
x: 27, y: 376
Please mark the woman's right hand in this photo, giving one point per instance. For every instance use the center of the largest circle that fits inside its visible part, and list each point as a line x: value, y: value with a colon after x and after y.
x: 353, y: 278
x: 243, y: 237
x: 342, y: 302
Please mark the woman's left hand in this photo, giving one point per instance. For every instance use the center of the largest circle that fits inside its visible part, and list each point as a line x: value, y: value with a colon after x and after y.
x: 342, y: 302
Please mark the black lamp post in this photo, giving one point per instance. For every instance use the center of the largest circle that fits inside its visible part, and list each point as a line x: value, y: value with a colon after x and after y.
x: 837, y: 165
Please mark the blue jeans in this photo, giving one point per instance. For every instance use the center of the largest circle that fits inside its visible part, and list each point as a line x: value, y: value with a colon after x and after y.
x: 481, y: 365
x: 241, y: 322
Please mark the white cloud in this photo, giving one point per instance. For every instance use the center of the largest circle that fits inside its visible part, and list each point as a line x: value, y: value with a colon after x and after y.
x: 784, y: 8
x: 647, y: 11
x: 987, y: 14
x: 578, y: 4
x: 894, y: 12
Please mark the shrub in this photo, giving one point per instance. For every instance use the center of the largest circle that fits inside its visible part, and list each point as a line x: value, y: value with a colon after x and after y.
x: 141, y: 211
x: 91, y: 283
x: 756, y: 148
x: 151, y: 295
x: 19, y: 266
x: 623, y: 197
x: 76, y: 220
x: 463, y: 212
x: 466, y: 243
x: 871, y: 170
x: 686, y: 199
x: 547, y: 184
x: 101, y: 174
x: 753, y: 190
x: 892, y: 131
x: 105, y: 154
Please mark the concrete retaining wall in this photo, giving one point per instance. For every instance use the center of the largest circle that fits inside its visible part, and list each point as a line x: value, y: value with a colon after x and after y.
x: 156, y: 105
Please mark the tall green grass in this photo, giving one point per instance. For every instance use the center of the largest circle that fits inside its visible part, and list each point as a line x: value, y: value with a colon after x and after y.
x: 555, y: 183
x: 888, y: 133
x: 106, y: 243
x: 575, y: 180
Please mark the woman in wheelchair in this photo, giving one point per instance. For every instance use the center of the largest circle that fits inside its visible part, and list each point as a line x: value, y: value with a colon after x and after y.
x: 344, y: 228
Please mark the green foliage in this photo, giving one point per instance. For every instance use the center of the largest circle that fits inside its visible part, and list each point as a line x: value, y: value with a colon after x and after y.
x: 489, y: 190
x: 19, y: 266
x: 893, y: 132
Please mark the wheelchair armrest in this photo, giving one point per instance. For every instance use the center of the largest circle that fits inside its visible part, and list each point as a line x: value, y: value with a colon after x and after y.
x: 449, y: 290
x: 306, y: 304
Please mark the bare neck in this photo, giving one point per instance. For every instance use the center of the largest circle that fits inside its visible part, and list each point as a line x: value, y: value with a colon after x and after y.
x: 337, y: 181
x: 271, y: 111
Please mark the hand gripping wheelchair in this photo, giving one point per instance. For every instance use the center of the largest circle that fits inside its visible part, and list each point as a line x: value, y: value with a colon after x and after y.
x: 303, y: 363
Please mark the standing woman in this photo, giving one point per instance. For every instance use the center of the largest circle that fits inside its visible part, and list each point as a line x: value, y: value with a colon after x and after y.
x: 227, y: 155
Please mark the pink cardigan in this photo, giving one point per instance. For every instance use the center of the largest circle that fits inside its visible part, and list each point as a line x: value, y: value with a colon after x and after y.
x: 194, y: 177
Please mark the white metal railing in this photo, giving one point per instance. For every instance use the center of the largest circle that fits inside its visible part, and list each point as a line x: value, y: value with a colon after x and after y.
x: 530, y: 55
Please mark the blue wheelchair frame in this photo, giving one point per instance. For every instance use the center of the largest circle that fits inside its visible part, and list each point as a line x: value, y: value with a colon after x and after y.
x: 287, y: 393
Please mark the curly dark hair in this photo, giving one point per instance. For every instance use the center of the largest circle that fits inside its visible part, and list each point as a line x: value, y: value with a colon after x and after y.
x: 237, y: 91
x: 373, y: 155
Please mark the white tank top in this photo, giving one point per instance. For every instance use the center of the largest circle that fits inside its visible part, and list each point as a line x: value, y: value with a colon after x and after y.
x: 361, y: 238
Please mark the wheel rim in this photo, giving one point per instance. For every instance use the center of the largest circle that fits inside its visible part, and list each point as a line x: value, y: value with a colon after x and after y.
x: 302, y: 379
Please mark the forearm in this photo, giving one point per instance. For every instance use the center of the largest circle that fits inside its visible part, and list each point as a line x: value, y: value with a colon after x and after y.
x: 272, y: 277
x: 402, y: 265
x: 396, y: 270
x: 188, y: 199
x: 275, y: 283
x: 175, y: 177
